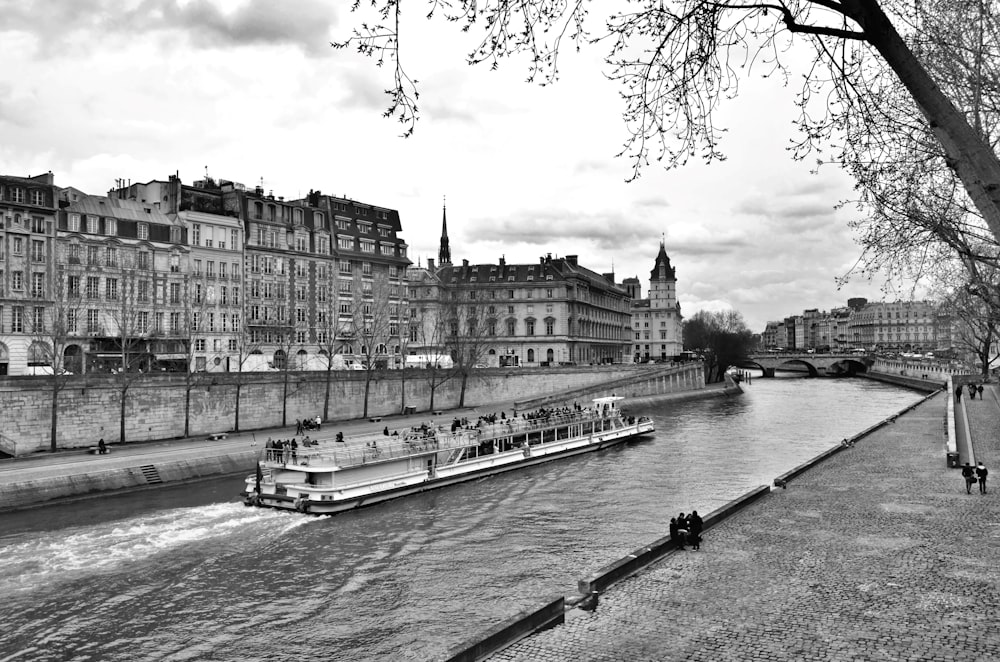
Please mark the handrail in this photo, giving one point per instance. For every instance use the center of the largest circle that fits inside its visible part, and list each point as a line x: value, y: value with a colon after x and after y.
x: 385, y: 448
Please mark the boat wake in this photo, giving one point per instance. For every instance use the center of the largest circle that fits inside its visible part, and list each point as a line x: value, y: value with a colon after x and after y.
x: 37, y: 558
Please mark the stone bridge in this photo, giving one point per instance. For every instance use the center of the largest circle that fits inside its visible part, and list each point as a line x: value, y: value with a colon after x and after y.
x: 818, y: 365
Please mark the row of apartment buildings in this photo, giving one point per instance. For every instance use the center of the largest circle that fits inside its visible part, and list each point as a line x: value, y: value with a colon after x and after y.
x: 162, y: 276
x: 215, y: 276
x: 899, y: 326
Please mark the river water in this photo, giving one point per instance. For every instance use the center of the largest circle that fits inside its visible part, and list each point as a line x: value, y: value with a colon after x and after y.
x: 189, y: 573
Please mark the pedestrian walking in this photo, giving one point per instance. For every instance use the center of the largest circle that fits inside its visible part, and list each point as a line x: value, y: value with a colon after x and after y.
x: 979, y: 390
x: 298, y: 427
x: 981, y: 473
x: 968, y: 473
x: 958, y: 392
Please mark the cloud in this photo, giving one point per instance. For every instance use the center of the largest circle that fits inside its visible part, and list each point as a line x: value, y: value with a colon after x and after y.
x: 206, y: 24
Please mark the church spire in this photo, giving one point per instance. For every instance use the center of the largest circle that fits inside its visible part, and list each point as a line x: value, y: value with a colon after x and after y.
x: 444, y: 253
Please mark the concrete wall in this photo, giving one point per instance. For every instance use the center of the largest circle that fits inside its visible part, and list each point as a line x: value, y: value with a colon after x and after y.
x: 27, y: 493
x: 89, y: 405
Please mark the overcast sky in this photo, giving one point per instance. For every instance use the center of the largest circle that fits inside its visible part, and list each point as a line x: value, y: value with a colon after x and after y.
x: 96, y: 90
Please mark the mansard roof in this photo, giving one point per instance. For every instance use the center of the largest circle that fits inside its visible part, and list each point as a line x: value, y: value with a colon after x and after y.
x: 548, y: 269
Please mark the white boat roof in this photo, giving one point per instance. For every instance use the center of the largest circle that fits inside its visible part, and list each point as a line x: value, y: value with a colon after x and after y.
x: 608, y: 399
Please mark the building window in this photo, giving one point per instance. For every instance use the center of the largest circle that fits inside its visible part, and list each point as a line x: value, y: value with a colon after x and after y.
x: 38, y: 285
x: 93, y: 321
x: 511, y: 327
x: 16, y: 280
x: 175, y: 235
x: 111, y: 288
x: 143, y: 260
x: 37, y: 250
x: 143, y: 230
x: 17, y: 195
x: 345, y: 243
x: 110, y: 227
x: 111, y: 254
x: 529, y: 327
x: 549, y: 328
x: 196, y: 234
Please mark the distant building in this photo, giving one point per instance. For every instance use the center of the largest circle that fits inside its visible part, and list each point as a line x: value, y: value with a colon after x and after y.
x: 27, y: 253
x: 122, y: 284
x: 657, y: 323
x: 553, y: 312
x: 899, y: 326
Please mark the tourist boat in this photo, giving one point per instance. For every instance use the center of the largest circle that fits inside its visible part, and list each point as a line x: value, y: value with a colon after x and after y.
x: 333, y: 477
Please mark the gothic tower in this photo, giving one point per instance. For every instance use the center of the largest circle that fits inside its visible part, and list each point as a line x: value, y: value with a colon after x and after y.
x: 444, y: 253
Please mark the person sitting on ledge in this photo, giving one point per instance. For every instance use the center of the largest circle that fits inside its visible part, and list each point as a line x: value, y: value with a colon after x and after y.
x: 102, y: 448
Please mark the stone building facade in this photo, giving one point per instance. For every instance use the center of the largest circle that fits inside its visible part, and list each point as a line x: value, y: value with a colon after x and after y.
x: 554, y: 312
x: 27, y: 253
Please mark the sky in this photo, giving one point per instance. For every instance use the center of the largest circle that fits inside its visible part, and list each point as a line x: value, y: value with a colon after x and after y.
x: 251, y: 91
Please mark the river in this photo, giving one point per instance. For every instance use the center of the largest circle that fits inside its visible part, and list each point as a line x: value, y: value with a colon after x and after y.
x: 189, y: 573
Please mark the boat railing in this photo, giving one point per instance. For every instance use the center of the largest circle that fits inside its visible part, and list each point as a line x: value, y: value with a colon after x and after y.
x: 416, y: 442
x: 522, y: 425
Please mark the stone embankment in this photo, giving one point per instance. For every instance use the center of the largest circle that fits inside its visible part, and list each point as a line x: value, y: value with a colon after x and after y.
x: 164, y: 406
x: 44, y: 478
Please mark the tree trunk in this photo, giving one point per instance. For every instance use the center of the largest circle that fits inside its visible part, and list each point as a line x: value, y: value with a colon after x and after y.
x: 53, y: 423
x: 461, y: 395
x: 121, y: 431
x: 239, y: 387
x: 368, y: 382
x: 284, y: 396
x: 187, y: 410
x: 326, y: 398
x: 971, y: 158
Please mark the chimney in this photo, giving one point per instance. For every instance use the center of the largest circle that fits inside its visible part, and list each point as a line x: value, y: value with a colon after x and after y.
x: 465, y: 263
x: 430, y: 264
x: 572, y: 259
x: 502, y: 261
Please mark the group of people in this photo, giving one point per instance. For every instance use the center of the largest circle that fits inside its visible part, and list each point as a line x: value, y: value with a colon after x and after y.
x: 973, y: 390
x: 972, y: 474
x: 686, y: 530
x: 306, y: 424
x: 286, y: 450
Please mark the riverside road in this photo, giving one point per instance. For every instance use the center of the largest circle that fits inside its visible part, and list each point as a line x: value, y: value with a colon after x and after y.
x: 877, y: 553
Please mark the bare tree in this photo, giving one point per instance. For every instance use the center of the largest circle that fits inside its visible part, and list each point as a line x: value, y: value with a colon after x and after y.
x: 469, y: 332
x: 199, y: 302
x: 129, y: 322
x: 435, y: 331
x: 370, y: 325
x: 52, y: 331
x: 327, y: 330
x: 678, y: 60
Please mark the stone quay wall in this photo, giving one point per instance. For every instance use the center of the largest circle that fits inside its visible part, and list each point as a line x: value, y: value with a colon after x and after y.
x: 89, y: 405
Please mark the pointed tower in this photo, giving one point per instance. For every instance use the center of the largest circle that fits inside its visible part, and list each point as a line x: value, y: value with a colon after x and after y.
x: 444, y: 253
x: 662, y: 283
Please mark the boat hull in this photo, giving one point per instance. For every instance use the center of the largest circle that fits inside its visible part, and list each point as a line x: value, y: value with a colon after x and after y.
x: 484, y: 466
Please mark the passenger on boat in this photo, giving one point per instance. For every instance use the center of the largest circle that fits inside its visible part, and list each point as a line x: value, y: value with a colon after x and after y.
x: 340, y: 437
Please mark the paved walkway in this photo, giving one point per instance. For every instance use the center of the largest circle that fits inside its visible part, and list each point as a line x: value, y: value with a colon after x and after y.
x: 876, y: 554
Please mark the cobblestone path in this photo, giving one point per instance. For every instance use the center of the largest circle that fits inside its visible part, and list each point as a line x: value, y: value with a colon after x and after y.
x: 876, y: 554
